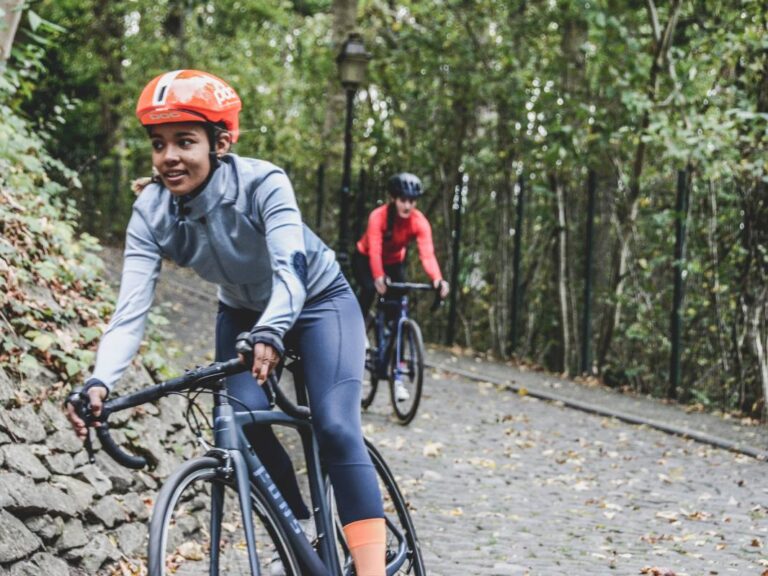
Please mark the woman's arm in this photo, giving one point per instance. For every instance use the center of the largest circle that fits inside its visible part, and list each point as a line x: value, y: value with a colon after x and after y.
x: 275, y: 204
x: 375, y: 233
x: 426, y: 248
x: 123, y: 335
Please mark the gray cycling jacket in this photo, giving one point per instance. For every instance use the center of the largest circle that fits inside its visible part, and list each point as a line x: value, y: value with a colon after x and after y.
x: 243, y: 232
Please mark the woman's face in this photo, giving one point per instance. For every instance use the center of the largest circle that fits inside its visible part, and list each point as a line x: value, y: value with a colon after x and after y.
x: 180, y: 155
x: 405, y: 206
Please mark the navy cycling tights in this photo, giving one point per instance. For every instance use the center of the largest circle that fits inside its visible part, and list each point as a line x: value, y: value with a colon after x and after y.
x: 328, y: 335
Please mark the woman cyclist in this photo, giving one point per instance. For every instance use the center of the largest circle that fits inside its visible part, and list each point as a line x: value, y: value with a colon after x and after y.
x: 381, y: 251
x: 235, y: 221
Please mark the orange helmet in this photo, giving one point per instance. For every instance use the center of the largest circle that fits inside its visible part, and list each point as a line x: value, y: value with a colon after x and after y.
x: 189, y: 96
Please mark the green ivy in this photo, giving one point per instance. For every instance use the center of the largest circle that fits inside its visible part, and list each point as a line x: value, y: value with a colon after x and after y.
x: 54, y: 303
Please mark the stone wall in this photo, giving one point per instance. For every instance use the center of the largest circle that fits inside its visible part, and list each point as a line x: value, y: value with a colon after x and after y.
x: 61, y: 515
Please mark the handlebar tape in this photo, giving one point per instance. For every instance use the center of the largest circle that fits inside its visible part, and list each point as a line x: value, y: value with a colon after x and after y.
x: 116, y: 453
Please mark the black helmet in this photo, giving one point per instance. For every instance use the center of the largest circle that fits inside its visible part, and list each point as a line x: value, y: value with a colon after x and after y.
x: 405, y: 185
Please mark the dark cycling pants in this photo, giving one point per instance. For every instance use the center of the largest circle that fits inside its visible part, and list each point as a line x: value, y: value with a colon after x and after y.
x: 328, y: 335
x: 362, y: 270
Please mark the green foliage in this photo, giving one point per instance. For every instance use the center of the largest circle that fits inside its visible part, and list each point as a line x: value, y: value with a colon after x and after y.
x: 475, y: 93
x: 53, y: 299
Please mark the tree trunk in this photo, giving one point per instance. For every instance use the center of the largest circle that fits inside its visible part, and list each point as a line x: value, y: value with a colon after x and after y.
x: 344, y: 14
x: 759, y: 344
x: 627, y: 213
x: 108, y: 32
x: 344, y: 21
x: 174, y: 26
x: 562, y: 273
x: 754, y: 269
x: 502, y: 257
x: 12, y: 10
x: 717, y: 306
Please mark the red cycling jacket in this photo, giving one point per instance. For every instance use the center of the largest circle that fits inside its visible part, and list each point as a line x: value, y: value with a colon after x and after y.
x: 404, y: 230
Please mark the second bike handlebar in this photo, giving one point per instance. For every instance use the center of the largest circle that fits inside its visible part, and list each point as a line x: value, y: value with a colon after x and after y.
x: 418, y: 286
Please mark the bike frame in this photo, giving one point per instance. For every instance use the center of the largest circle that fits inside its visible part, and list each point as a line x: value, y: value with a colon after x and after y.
x: 230, y: 437
x: 383, y: 338
x: 241, y: 464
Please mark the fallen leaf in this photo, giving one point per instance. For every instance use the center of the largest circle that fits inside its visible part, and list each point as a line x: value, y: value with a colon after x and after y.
x: 191, y: 551
x: 432, y: 449
x: 654, y: 571
x: 668, y: 515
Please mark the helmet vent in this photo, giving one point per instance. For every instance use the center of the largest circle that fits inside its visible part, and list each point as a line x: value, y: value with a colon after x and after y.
x: 161, y: 90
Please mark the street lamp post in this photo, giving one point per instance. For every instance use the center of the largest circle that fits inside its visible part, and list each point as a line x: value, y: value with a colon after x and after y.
x: 352, y: 61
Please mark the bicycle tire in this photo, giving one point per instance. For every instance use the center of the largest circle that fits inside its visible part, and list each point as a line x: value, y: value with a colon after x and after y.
x: 371, y: 383
x: 397, y: 517
x: 180, y: 528
x: 412, y: 358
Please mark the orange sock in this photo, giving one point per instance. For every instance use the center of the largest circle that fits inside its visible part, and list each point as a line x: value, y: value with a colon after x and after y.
x: 367, y: 542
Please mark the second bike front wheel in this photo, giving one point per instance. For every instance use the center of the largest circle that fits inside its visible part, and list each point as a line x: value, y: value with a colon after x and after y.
x: 406, y: 392
x: 182, y: 525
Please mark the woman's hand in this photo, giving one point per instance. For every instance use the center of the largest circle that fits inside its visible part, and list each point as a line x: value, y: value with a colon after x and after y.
x: 381, y: 285
x: 265, y: 358
x: 96, y: 397
x: 443, y: 286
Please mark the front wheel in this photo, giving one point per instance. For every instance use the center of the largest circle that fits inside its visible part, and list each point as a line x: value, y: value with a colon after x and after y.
x: 407, y: 376
x: 197, y: 527
x: 401, y: 534
x: 403, y: 551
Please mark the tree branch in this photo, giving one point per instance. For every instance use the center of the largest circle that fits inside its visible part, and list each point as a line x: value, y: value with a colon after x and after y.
x: 654, y: 15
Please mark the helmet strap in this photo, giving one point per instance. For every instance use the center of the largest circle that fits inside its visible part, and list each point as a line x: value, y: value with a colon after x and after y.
x: 210, y: 128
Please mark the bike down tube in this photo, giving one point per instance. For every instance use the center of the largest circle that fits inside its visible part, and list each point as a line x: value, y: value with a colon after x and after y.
x: 325, y: 528
x: 399, y: 335
x: 244, y: 493
x: 326, y: 533
x: 307, y: 556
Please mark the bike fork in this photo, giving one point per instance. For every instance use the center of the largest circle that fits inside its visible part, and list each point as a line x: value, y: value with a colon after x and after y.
x: 244, y: 493
x: 217, y: 510
x: 398, y: 344
x: 226, y: 435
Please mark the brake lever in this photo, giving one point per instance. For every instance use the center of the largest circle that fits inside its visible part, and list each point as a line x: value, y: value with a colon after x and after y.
x: 244, y: 348
x: 88, y: 443
x: 438, y: 301
x: 82, y: 405
x: 269, y: 390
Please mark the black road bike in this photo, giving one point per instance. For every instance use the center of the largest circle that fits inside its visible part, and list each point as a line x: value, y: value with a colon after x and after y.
x: 221, y: 513
x: 396, y: 351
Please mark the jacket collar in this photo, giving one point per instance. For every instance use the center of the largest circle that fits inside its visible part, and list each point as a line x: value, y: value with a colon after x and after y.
x: 197, y: 204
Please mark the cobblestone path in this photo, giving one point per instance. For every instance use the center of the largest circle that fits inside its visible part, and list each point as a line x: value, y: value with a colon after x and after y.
x: 503, y: 484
